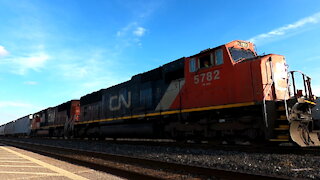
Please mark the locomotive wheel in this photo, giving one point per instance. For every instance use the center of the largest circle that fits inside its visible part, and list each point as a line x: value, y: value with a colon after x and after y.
x: 300, y: 134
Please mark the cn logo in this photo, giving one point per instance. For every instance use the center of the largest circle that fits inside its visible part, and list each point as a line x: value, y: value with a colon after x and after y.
x: 116, y: 102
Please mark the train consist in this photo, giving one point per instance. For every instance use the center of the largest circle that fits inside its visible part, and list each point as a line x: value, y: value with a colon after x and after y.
x: 227, y: 92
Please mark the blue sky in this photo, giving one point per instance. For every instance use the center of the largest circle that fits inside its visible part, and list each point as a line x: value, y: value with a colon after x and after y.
x: 52, y: 51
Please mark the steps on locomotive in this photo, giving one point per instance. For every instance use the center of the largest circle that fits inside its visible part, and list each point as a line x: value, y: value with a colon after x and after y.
x: 281, y: 126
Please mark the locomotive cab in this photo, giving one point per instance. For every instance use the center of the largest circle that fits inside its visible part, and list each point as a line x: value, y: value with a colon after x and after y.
x: 231, y: 74
x: 234, y: 76
x: 205, y: 75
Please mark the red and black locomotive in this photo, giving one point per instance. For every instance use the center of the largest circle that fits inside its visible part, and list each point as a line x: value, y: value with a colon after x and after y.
x: 227, y: 92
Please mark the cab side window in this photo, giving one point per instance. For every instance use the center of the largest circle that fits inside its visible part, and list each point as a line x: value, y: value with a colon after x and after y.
x: 219, y: 57
x: 193, y: 67
x: 205, y: 61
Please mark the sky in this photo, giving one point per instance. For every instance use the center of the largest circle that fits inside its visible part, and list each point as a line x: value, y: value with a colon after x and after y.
x: 52, y: 51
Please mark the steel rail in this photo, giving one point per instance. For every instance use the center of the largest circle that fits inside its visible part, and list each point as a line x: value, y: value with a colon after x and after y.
x: 252, y: 148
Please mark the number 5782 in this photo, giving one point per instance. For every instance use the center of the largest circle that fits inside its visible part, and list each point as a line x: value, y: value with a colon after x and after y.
x: 206, y: 77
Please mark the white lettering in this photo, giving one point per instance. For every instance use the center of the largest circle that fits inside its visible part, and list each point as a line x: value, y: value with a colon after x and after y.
x: 119, y: 100
x: 216, y: 74
x: 196, y: 79
x: 206, y: 78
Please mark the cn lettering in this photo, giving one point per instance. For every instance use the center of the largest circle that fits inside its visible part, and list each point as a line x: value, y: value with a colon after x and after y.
x: 116, y: 102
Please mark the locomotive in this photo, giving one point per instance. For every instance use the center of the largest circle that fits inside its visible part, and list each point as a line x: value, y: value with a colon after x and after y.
x: 227, y: 92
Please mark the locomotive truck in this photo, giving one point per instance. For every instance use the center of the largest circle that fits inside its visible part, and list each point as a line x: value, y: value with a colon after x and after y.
x: 227, y: 92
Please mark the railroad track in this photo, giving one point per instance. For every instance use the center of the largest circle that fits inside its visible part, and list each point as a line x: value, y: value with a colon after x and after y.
x: 132, y: 167
x: 254, y: 148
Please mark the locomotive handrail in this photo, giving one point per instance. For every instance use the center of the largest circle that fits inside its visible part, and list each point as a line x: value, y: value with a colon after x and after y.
x: 300, y: 73
x: 307, y: 89
x: 306, y: 83
x: 285, y: 95
x: 264, y: 95
x: 264, y: 103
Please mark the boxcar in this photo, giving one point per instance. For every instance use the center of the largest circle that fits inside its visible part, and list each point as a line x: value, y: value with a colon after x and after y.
x: 9, y: 128
x: 23, y: 126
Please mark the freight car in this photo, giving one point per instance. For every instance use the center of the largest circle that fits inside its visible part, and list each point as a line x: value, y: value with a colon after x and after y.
x: 227, y: 92
x: 2, y: 130
x: 9, y: 128
x: 22, y: 126
x: 19, y: 127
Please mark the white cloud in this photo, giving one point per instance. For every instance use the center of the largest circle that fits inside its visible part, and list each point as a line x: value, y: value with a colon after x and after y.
x: 119, y: 33
x: 3, y: 51
x: 33, y: 62
x: 21, y: 61
x: 82, y: 66
x: 73, y: 70
x: 281, y: 31
x: 101, y: 69
x: 11, y: 110
x: 15, y: 104
x: 131, y: 34
x: 124, y: 31
x: 30, y: 83
x: 139, y: 31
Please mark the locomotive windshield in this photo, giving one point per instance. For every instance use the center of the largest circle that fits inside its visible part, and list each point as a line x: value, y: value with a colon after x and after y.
x: 238, y: 54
